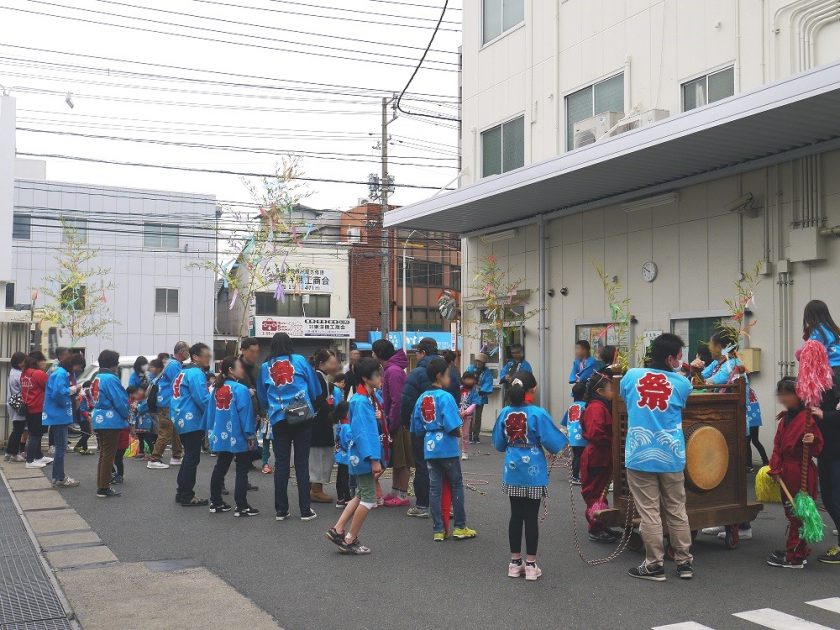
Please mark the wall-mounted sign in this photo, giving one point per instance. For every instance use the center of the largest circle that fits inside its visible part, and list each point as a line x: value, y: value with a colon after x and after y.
x: 308, y: 280
x: 305, y: 327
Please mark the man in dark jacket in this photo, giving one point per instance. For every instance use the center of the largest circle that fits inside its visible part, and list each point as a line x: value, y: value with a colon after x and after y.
x: 417, y: 383
x: 454, y: 374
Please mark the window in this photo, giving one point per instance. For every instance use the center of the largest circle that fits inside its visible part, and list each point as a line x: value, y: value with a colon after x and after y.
x: 606, y: 96
x: 500, y: 16
x: 74, y: 229
x: 424, y: 318
x: 293, y: 306
x: 160, y: 236
x: 21, y: 226
x: 503, y: 147
x: 10, y: 295
x: 166, y: 300
x: 455, y: 277
x: 421, y: 273
x: 73, y: 297
x: 708, y: 89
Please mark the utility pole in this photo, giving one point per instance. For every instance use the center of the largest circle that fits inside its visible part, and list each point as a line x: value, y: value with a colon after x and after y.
x: 386, y: 259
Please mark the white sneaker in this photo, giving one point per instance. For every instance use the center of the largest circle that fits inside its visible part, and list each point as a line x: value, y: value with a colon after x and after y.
x: 175, y: 461
x: 35, y: 464
x: 156, y: 465
x: 17, y: 459
x: 743, y: 534
x: 67, y: 482
x: 714, y: 531
x: 532, y: 573
x: 464, y: 457
x: 516, y: 570
x: 45, y: 460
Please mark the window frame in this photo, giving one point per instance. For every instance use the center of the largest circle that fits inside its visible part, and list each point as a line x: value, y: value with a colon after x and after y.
x: 705, y: 75
x: 293, y: 305
x: 504, y: 32
x: 74, y: 224
x: 168, y: 291
x: 28, y: 220
x: 160, y: 236
x: 570, y: 137
x: 501, y: 127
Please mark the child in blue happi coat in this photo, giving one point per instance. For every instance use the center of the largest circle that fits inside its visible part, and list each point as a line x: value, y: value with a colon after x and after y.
x: 468, y: 398
x: 584, y: 364
x: 521, y: 432
x: 516, y: 363
x: 572, y: 420
x: 484, y: 385
x: 342, y: 455
x: 818, y: 324
x: 437, y: 421
x: 232, y: 432
x: 109, y: 417
x: 142, y: 421
x: 364, y: 457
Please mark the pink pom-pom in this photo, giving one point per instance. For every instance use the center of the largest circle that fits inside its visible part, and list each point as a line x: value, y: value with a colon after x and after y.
x: 815, y: 375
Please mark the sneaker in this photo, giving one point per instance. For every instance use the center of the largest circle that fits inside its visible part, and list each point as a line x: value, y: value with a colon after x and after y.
x: 713, y: 531
x: 35, y: 464
x: 341, y: 504
x: 532, y: 572
x: 334, y: 537
x: 246, y: 511
x: 516, y: 570
x: 219, y: 508
x: 743, y: 534
x: 67, y: 482
x: 393, y: 501
x: 644, y: 572
x: 153, y: 465
x: 685, y: 571
x: 175, y: 461
x: 776, y: 560
x: 17, y: 459
x: 575, y: 481
x: 832, y: 556
x: 354, y: 548
x: 195, y: 502
x: 464, y: 457
x: 281, y: 516
x: 116, y: 479
x: 309, y: 517
x: 462, y: 533
x: 266, y: 469
x: 418, y: 512
x: 7, y: 457
x: 603, y: 537
x: 439, y: 536
x: 105, y: 493
x: 45, y: 460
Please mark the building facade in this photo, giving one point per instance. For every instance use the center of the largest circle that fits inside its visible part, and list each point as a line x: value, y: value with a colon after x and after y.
x: 676, y: 144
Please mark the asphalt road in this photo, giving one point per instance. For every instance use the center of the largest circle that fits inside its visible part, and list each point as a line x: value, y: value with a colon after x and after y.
x: 290, y: 569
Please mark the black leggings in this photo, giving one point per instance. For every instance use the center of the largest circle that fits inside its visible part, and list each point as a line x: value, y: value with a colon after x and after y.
x: 758, y: 446
x: 577, y: 451
x: 119, y: 469
x: 13, y: 445
x: 524, y: 511
x: 86, y: 429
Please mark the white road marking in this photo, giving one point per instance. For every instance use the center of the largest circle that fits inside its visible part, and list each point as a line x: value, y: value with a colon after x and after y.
x: 831, y: 604
x: 776, y: 620
x: 687, y: 625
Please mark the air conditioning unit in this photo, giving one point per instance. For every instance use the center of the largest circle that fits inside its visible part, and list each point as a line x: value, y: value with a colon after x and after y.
x: 642, y: 119
x: 590, y: 130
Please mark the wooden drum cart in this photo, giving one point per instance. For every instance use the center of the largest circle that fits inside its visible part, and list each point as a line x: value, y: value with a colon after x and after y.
x: 714, y: 423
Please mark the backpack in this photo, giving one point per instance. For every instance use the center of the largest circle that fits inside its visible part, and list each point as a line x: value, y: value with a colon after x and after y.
x: 16, y: 403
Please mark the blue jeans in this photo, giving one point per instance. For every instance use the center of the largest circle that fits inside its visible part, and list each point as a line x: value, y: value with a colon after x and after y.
x: 283, y: 438
x: 450, y: 468
x: 829, y: 470
x: 421, y: 473
x: 60, y: 437
x: 189, y: 465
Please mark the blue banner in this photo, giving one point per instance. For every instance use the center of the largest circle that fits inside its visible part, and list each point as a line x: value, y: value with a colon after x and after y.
x: 413, y: 337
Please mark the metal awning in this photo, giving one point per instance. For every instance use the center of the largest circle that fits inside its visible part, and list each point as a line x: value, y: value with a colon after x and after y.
x: 771, y: 124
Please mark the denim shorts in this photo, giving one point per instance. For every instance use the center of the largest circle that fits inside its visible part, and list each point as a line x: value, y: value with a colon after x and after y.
x: 366, y: 488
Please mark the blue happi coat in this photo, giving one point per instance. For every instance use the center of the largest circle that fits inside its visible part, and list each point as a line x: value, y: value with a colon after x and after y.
x: 190, y: 397
x: 365, y: 445
x: 508, y: 368
x: 572, y: 421
x: 143, y: 420
x: 58, y: 405
x: 343, y: 437
x: 110, y: 402
x: 230, y: 418
x: 483, y: 382
x: 285, y: 380
x: 720, y: 373
x: 832, y: 344
x: 165, y: 381
x: 434, y: 419
x: 655, y: 400
x: 582, y: 370
x: 521, y: 433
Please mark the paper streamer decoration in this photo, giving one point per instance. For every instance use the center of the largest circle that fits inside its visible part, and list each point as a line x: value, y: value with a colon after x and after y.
x: 233, y: 299
x: 280, y: 293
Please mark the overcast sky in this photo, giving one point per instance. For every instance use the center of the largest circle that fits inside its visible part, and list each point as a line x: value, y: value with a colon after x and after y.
x: 277, y: 120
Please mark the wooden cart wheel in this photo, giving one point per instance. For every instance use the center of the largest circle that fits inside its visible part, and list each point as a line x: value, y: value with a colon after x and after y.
x: 634, y: 543
x: 732, y: 536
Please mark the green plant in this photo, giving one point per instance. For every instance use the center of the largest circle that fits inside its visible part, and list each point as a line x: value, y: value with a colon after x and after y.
x: 620, y: 318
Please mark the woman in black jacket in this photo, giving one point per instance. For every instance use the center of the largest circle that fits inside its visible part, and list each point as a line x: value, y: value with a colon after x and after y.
x: 322, y: 451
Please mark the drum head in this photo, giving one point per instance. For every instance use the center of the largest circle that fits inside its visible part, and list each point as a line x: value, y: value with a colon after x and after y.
x: 706, y: 457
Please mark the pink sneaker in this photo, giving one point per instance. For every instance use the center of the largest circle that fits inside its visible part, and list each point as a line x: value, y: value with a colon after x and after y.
x: 532, y: 572
x: 393, y: 501
x: 516, y: 570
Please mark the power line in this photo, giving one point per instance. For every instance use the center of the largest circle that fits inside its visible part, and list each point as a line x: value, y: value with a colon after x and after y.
x: 199, y: 37
x: 213, y: 171
x: 414, y: 4
x: 377, y: 93
x: 358, y: 11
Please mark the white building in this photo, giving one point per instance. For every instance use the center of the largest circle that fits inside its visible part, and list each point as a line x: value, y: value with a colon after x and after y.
x: 707, y: 137
x: 157, y: 247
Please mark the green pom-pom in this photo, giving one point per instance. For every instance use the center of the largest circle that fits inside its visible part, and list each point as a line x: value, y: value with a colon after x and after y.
x: 805, y: 509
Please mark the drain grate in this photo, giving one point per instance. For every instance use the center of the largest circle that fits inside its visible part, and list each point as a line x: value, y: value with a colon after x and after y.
x: 46, y: 624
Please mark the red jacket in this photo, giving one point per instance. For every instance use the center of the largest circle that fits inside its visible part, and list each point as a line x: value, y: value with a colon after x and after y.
x: 786, y: 460
x: 597, y: 429
x: 33, y: 385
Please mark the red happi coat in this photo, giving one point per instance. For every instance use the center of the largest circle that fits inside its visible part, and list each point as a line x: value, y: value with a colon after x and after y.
x: 786, y: 460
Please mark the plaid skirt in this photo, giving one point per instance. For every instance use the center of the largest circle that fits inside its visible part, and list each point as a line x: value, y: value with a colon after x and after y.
x: 525, y: 492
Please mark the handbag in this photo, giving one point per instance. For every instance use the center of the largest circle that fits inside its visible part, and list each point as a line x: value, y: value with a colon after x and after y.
x: 298, y: 413
x: 16, y: 403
